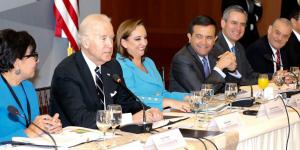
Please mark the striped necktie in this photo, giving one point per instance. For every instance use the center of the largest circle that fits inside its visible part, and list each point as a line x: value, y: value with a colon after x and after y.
x: 99, y: 85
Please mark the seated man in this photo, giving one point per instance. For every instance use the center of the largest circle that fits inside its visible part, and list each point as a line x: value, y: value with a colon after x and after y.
x: 233, y: 24
x: 193, y: 64
x: 265, y: 55
x: 82, y: 83
x: 292, y: 47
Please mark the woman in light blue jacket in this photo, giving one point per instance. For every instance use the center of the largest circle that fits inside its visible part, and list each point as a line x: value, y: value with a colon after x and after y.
x: 140, y: 73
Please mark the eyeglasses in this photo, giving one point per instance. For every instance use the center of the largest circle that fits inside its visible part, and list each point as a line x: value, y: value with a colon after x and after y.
x: 35, y: 55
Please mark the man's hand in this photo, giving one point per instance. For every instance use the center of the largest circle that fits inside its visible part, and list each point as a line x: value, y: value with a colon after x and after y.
x: 152, y: 115
x: 227, y: 60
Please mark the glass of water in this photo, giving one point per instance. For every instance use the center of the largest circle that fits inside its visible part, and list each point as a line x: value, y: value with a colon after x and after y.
x: 102, y: 121
x: 196, y: 104
x: 294, y: 71
x: 207, y: 94
x: 231, y: 90
x: 115, y: 116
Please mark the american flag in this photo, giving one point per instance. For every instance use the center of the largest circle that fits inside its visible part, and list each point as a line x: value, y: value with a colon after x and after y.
x: 66, y: 16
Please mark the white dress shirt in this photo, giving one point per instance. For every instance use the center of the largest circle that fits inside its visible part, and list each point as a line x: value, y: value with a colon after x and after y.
x: 274, y: 56
x: 230, y: 45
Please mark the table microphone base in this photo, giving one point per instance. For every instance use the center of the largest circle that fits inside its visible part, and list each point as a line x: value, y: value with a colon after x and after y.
x: 137, y: 128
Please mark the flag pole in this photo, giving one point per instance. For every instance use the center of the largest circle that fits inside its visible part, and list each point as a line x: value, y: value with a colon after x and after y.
x: 70, y: 49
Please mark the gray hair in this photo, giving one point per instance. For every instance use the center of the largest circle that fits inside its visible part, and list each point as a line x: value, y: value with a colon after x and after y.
x: 233, y: 8
x: 283, y: 20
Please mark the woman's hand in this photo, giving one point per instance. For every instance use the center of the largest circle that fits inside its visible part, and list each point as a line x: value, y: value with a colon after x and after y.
x: 182, y: 106
x: 47, y: 123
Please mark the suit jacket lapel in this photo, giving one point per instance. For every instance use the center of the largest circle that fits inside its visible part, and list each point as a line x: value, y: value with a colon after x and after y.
x: 196, y: 59
x: 212, y: 62
x: 223, y: 42
x: 87, y: 77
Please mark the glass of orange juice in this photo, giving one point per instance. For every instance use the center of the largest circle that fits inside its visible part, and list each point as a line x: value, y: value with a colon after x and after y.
x: 263, y: 82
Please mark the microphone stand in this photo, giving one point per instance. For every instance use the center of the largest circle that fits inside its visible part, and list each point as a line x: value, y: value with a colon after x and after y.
x: 15, y: 112
x: 134, y: 128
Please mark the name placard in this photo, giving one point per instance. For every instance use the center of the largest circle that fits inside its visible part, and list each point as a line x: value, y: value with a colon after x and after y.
x: 126, y: 118
x: 227, y: 121
x: 295, y: 101
x: 171, y: 139
x: 271, y: 109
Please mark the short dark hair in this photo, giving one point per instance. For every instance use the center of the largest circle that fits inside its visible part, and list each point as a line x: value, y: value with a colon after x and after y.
x: 13, y: 45
x: 202, y: 21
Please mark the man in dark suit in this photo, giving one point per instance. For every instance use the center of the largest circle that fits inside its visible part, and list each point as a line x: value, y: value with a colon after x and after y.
x: 266, y: 54
x: 82, y: 83
x: 288, y: 7
x: 233, y: 25
x: 193, y: 65
x: 292, y: 47
x: 254, y: 10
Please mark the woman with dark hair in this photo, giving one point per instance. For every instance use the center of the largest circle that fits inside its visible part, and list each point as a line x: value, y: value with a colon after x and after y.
x: 18, y: 61
x: 140, y: 73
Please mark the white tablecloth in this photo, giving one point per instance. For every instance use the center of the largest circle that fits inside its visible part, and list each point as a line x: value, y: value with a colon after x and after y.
x: 269, y: 134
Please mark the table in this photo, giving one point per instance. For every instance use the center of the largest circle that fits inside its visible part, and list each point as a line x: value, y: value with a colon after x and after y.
x: 254, y: 134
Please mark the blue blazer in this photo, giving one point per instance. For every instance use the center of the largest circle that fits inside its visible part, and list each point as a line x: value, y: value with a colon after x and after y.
x: 12, y: 126
x: 147, y: 86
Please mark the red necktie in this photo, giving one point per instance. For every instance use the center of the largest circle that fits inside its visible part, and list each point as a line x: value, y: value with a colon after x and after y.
x: 278, y: 61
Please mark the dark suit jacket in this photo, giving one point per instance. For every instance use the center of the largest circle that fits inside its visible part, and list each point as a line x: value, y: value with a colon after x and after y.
x: 187, y: 73
x: 73, y: 92
x: 259, y: 54
x: 254, y: 14
x: 249, y: 77
x: 288, y: 7
x: 292, y: 48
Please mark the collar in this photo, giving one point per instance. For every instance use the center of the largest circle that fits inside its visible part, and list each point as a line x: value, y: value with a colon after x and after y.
x: 273, y: 50
x: 230, y: 45
x: 201, y: 57
x: 297, y: 35
x: 91, y: 65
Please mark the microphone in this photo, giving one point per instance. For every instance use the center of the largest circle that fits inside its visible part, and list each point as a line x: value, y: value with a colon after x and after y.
x: 269, y: 57
x: 15, y: 112
x: 133, y: 128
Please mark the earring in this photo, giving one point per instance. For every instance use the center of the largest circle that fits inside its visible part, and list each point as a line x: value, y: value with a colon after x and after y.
x: 18, y: 72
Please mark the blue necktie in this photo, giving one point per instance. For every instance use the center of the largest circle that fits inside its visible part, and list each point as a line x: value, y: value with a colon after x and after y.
x: 233, y: 49
x: 205, y: 67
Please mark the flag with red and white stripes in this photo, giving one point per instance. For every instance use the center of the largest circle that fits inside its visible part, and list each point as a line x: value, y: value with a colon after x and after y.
x: 66, y: 16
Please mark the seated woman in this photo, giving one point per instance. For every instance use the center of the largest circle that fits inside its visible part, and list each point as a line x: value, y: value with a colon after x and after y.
x: 139, y: 72
x: 18, y: 61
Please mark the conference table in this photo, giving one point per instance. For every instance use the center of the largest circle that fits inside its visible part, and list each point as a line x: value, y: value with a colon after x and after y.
x: 253, y: 133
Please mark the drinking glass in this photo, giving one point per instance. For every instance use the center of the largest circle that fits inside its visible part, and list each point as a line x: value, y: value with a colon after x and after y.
x: 231, y: 90
x: 279, y: 79
x: 294, y: 74
x: 195, y: 102
x: 263, y: 82
x: 208, y: 93
x: 102, y: 121
x: 115, y: 116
